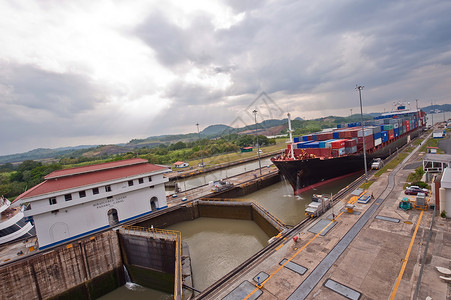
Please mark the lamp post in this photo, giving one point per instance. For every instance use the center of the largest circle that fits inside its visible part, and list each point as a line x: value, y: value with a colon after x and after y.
x: 359, y: 88
x: 258, y: 146
x: 201, y: 154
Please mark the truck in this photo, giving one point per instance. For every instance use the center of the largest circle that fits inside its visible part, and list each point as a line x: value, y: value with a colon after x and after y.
x: 318, y: 206
x: 377, y: 164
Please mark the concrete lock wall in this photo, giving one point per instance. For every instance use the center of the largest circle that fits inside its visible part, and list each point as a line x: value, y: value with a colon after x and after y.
x: 82, y: 270
x: 150, y: 262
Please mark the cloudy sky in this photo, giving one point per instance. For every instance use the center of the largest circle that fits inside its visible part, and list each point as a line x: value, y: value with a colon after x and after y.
x: 107, y: 71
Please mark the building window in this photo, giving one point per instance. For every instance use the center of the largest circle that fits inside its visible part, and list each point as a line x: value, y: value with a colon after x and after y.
x: 141, y: 180
x: 108, y: 188
x: 130, y: 182
x: 52, y: 201
x: 95, y: 191
x: 150, y: 178
x: 82, y: 194
x: 68, y: 197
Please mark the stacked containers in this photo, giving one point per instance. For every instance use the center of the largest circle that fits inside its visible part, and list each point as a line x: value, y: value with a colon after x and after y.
x: 391, y: 134
x: 384, y: 136
x: 350, y: 146
x: 296, y: 140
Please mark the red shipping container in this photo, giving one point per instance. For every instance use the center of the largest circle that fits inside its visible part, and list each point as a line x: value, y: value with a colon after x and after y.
x: 369, y: 142
x: 350, y: 143
x: 309, y: 138
x: 337, y: 144
x: 408, y: 127
x: 354, y: 132
x: 391, y: 134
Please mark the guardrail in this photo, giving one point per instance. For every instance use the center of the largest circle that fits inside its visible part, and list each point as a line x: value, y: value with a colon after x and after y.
x: 257, y: 207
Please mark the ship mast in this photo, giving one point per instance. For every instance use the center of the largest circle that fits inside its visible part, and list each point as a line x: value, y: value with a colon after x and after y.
x: 290, y: 131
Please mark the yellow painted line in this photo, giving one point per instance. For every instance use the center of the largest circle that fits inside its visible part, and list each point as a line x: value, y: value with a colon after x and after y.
x: 280, y: 246
x: 290, y: 259
x: 406, y: 258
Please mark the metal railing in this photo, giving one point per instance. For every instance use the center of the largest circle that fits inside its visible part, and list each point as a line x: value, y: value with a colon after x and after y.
x: 150, y: 232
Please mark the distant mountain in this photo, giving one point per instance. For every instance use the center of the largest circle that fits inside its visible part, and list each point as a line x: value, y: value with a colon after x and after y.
x: 442, y: 107
x: 214, y: 130
x: 41, y: 153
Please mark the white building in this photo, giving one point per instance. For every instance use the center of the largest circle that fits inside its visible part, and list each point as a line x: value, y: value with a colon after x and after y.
x: 445, y: 192
x: 181, y: 164
x: 72, y: 203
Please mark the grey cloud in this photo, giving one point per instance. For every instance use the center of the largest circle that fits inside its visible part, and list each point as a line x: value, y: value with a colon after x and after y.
x: 63, y: 94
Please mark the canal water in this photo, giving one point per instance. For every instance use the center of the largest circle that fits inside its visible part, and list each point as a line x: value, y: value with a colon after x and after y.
x: 199, y: 180
x: 219, y: 245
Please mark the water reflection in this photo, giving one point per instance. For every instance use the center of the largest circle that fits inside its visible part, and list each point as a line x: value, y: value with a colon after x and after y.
x: 280, y: 201
x: 136, y: 292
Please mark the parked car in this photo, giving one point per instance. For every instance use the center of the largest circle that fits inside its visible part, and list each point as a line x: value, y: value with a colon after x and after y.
x: 413, y: 190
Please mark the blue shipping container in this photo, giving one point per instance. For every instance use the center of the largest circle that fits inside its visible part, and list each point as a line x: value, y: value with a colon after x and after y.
x: 384, y: 136
x: 296, y: 140
x: 336, y: 135
x: 338, y: 125
x: 304, y: 138
x: 376, y: 135
x: 313, y: 145
x: 396, y: 130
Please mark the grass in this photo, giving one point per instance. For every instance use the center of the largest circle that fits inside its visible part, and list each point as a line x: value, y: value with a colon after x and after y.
x: 393, y: 163
x: 366, y: 185
x: 236, y: 156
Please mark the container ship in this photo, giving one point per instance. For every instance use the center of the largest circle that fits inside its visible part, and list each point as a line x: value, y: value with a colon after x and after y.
x: 313, y: 159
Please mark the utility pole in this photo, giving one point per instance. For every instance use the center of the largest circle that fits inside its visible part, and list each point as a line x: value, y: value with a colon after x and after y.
x: 201, y: 154
x: 258, y: 146
x: 351, y: 112
x: 359, y: 88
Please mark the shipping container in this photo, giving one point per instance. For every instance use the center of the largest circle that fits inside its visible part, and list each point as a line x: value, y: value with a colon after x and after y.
x: 377, y: 135
x: 367, y: 132
x: 337, y: 144
x: 350, y: 150
x: 296, y: 140
x: 396, y: 131
x: 384, y: 136
x: 305, y: 138
x: 350, y: 143
x: 336, y: 135
x: 377, y: 142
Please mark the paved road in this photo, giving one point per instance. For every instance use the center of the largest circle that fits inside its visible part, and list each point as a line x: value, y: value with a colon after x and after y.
x: 445, y: 145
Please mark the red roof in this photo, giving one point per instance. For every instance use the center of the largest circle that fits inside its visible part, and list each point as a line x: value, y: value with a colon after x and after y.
x: 94, y: 168
x: 179, y: 163
x: 76, y: 177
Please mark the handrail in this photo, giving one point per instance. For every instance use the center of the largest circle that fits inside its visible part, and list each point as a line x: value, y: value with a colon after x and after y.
x: 178, y: 280
x: 154, y: 232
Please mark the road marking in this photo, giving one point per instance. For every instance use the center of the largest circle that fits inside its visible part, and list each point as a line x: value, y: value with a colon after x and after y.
x: 398, y: 280
x: 290, y: 259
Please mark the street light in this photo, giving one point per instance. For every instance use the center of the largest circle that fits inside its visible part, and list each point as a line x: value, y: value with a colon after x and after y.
x: 359, y: 88
x: 258, y: 146
x: 201, y: 154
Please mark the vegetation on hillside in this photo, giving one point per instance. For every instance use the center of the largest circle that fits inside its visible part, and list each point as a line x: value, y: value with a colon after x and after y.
x: 16, y: 179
